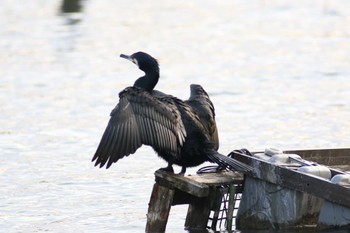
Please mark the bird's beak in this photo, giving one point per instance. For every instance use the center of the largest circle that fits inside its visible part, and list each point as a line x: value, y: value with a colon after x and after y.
x: 133, y: 60
x: 127, y: 57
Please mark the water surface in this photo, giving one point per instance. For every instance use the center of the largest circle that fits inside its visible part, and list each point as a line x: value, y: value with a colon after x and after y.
x: 277, y: 72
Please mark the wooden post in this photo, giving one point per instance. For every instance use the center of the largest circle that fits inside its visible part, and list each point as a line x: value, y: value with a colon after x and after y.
x: 198, y: 214
x: 199, y: 210
x: 159, y: 208
x: 231, y: 206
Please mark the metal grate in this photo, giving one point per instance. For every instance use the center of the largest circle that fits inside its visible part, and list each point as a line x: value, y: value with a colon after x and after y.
x: 224, y: 212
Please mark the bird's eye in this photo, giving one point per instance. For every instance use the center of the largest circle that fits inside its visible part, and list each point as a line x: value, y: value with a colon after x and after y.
x: 135, y: 61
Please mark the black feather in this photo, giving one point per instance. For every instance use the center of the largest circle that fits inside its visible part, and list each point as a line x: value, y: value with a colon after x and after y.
x: 181, y: 132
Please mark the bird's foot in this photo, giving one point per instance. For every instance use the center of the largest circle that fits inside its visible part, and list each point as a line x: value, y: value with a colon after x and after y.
x: 169, y: 169
x: 182, y: 172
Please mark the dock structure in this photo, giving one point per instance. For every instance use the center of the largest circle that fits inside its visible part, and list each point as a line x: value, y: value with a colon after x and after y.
x: 284, y: 190
x: 203, y: 193
x: 293, y: 192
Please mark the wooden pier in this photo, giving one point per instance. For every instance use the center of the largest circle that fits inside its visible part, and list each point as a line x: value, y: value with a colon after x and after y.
x: 204, y: 192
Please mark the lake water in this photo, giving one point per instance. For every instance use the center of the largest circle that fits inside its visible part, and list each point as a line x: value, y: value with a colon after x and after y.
x: 277, y: 71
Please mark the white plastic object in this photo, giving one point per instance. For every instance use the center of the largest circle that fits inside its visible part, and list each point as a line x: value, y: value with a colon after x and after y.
x: 341, y: 179
x: 318, y: 170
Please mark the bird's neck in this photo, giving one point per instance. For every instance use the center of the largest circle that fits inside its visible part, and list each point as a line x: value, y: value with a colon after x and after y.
x: 149, y: 81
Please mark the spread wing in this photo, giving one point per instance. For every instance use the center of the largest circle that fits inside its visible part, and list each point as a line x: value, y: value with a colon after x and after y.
x: 140, y: 118
x: 204, y: 108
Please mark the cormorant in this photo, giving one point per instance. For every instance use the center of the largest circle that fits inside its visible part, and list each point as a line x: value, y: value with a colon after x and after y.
x: 181, y: 132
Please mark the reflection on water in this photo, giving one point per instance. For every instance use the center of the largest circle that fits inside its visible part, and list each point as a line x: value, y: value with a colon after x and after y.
x: 277, y: 72
x: 71, y: 9
x: 71, y: 6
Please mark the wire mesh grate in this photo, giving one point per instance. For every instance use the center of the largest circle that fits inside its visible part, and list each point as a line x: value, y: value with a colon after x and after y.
x: 224, y: 212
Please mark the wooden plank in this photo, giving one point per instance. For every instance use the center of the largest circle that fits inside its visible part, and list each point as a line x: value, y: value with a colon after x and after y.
x: 296, y: 180
x: 198, y: 185
x: 159, y: 208
x: 329, y: 157
x: 338, y: 159
x: 220, y: 178
x: 182, y: 183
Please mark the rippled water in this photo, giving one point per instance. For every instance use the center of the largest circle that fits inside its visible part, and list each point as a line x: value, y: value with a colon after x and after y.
x: 277, y: 72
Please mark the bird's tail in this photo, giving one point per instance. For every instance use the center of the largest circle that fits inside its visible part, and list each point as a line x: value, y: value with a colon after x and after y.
x: 229, y: 163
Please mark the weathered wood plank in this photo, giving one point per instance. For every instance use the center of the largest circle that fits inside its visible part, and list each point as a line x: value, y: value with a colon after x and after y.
x: 329, y: 157
x: 159, y: 208
x: 298, y: 181
x: 220, y: 178
x: 197, y: 185
x: 182, y: 183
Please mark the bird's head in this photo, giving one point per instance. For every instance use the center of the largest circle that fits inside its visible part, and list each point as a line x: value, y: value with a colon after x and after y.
x: 144, y: 61
x: 149, y: 65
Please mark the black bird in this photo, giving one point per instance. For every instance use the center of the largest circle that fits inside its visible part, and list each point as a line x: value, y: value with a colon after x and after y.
x: 181, y: 132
